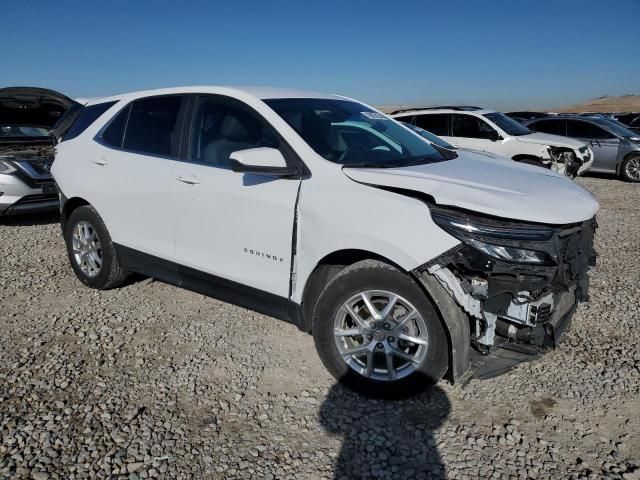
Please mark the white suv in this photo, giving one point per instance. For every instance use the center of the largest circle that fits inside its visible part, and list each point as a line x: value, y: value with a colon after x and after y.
x: 406, y: 260
x: 495, y: 132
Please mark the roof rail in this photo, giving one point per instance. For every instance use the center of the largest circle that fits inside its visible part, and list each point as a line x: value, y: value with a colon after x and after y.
x: 461, y: 108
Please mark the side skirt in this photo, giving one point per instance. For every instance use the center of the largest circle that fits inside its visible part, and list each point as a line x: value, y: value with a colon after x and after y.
x: 210, y: 285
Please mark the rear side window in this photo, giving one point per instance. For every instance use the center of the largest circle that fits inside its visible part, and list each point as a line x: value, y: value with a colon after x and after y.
x: 152, y: 126
x: 87, y: 116
x: 555, y: 127
x: 114, y: 133
x: 438, y: 124
x: 579, y: 129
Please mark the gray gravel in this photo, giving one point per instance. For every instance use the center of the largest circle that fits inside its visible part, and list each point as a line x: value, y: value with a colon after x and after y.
x: 149, y: 381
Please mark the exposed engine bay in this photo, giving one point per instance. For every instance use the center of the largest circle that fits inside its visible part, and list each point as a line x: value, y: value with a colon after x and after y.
x: 518, y: 283
x: 565, y: 161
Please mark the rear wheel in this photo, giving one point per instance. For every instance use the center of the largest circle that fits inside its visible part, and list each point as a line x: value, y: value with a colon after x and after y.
x: 91, y: 252
x: 630, y: 170
x: 376, y: 331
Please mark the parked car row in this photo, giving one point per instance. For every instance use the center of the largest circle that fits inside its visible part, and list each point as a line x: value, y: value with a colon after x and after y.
x: 405, y: 257
x: 494, y: 132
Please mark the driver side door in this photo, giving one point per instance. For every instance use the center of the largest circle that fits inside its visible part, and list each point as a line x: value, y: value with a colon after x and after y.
x: 235, y: 228
x: 469, y: 131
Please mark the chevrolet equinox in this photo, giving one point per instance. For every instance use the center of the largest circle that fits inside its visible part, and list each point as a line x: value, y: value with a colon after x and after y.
x: 406, y: 260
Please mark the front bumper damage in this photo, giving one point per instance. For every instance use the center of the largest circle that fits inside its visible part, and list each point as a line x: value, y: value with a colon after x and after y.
x: 514, y: 312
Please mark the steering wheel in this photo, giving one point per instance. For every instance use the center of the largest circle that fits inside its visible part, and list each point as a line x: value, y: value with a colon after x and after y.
x: 350, y: 150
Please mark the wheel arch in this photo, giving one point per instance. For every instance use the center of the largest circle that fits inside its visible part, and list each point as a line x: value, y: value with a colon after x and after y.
x: 325, y: 269
x: 68, y: 207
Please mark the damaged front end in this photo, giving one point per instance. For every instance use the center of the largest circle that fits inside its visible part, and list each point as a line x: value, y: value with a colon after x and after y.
x: 568, y: 162
x: 519, y: 283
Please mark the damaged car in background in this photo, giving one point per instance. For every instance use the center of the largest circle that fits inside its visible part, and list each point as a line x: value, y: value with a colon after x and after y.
x: 496, y: 133
x: 27, y: 116
x: 406, y: 260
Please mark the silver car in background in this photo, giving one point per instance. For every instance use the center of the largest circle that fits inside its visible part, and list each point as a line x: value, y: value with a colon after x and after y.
x: 616, y: 149
x: 27, y: 115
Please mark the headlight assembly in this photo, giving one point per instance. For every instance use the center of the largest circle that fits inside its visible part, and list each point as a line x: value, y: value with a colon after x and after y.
x: 6, y: 167
x: 503, y: 240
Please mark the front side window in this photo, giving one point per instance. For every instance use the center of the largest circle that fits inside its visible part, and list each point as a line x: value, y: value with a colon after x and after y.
x: 152, y: 126
x: 221, y: 128
x: 507, y: 124
x: 580, y: 129
x: 554, y: 127
x: 350, y: 134
x: 470, y: 126
x: 437, y: 123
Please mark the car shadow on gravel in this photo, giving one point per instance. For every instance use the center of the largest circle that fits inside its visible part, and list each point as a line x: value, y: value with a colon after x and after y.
x: 386, y: 438
x: 30, y: 219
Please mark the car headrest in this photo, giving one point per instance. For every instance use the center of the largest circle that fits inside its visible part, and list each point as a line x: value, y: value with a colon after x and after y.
x: 239, y: 128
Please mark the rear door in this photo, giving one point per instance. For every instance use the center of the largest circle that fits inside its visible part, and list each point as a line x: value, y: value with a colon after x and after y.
x: 134, y: 167
x: 234, y: 226
x: 603, y: 143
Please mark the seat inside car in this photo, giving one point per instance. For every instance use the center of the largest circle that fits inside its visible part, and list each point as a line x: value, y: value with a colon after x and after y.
x: 237, y: 131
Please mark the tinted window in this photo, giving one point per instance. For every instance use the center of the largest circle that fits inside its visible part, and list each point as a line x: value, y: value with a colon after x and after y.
x: 507, y: 124
x: 555, y: 127
x: 436, y: 124
x: 87, y: 116
x: 152, y: 126
x: 471, y: 127
x: 579, y: 129
x: 114, y: 132
x: 222, y: 127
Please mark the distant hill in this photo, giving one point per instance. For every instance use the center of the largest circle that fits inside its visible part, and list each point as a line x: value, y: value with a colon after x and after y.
x: 625, y: 103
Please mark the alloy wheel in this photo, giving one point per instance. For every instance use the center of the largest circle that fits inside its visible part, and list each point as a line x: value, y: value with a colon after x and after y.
x: 632, y: 169
x: 86, y: 249
x: 380, y: 335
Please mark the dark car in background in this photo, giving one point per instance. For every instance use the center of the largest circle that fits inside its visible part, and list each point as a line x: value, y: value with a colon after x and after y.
x: 616, y: 149
x: 526, y: 116
x: 631, y: 120
x: 27, y: 116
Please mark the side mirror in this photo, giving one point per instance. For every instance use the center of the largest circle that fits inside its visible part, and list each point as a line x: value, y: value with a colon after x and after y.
x: 261, y: 161
x: 493, y: 136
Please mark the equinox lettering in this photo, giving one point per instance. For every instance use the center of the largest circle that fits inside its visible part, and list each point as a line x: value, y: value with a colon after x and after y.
x: 268, y: 256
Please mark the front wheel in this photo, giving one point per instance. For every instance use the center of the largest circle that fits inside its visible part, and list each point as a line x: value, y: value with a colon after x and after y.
x: 630, y: 170
x: 377, y: 332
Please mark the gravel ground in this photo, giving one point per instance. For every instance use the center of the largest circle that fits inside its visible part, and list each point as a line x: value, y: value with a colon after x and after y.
x: 149, y: 381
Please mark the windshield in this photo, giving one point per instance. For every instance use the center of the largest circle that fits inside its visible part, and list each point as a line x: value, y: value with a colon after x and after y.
x: 429, y: 136
x: 507, y: 124
x: 13, y: 131
x: 350, y: 134
x: 617, y: 127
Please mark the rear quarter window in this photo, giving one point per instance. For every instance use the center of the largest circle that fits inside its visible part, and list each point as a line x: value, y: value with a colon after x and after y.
x: 86, y: 117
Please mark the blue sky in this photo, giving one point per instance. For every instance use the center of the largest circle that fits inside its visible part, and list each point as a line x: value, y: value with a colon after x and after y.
x: 502, y: 54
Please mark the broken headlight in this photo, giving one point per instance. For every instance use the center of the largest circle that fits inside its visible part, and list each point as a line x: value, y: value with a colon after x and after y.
x: 500, y: 239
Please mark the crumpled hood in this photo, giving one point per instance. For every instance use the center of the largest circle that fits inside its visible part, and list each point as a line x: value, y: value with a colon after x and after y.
x: 551, y: 140
x: 494, y: 186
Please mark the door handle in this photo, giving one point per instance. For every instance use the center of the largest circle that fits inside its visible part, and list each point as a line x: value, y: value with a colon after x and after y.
x: 100, y: 161
x: 190, y: 180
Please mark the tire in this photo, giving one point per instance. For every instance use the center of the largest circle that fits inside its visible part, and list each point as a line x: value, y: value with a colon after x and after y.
x: 379, y: 280
x: 630, y: 169
x: 85, y: 222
